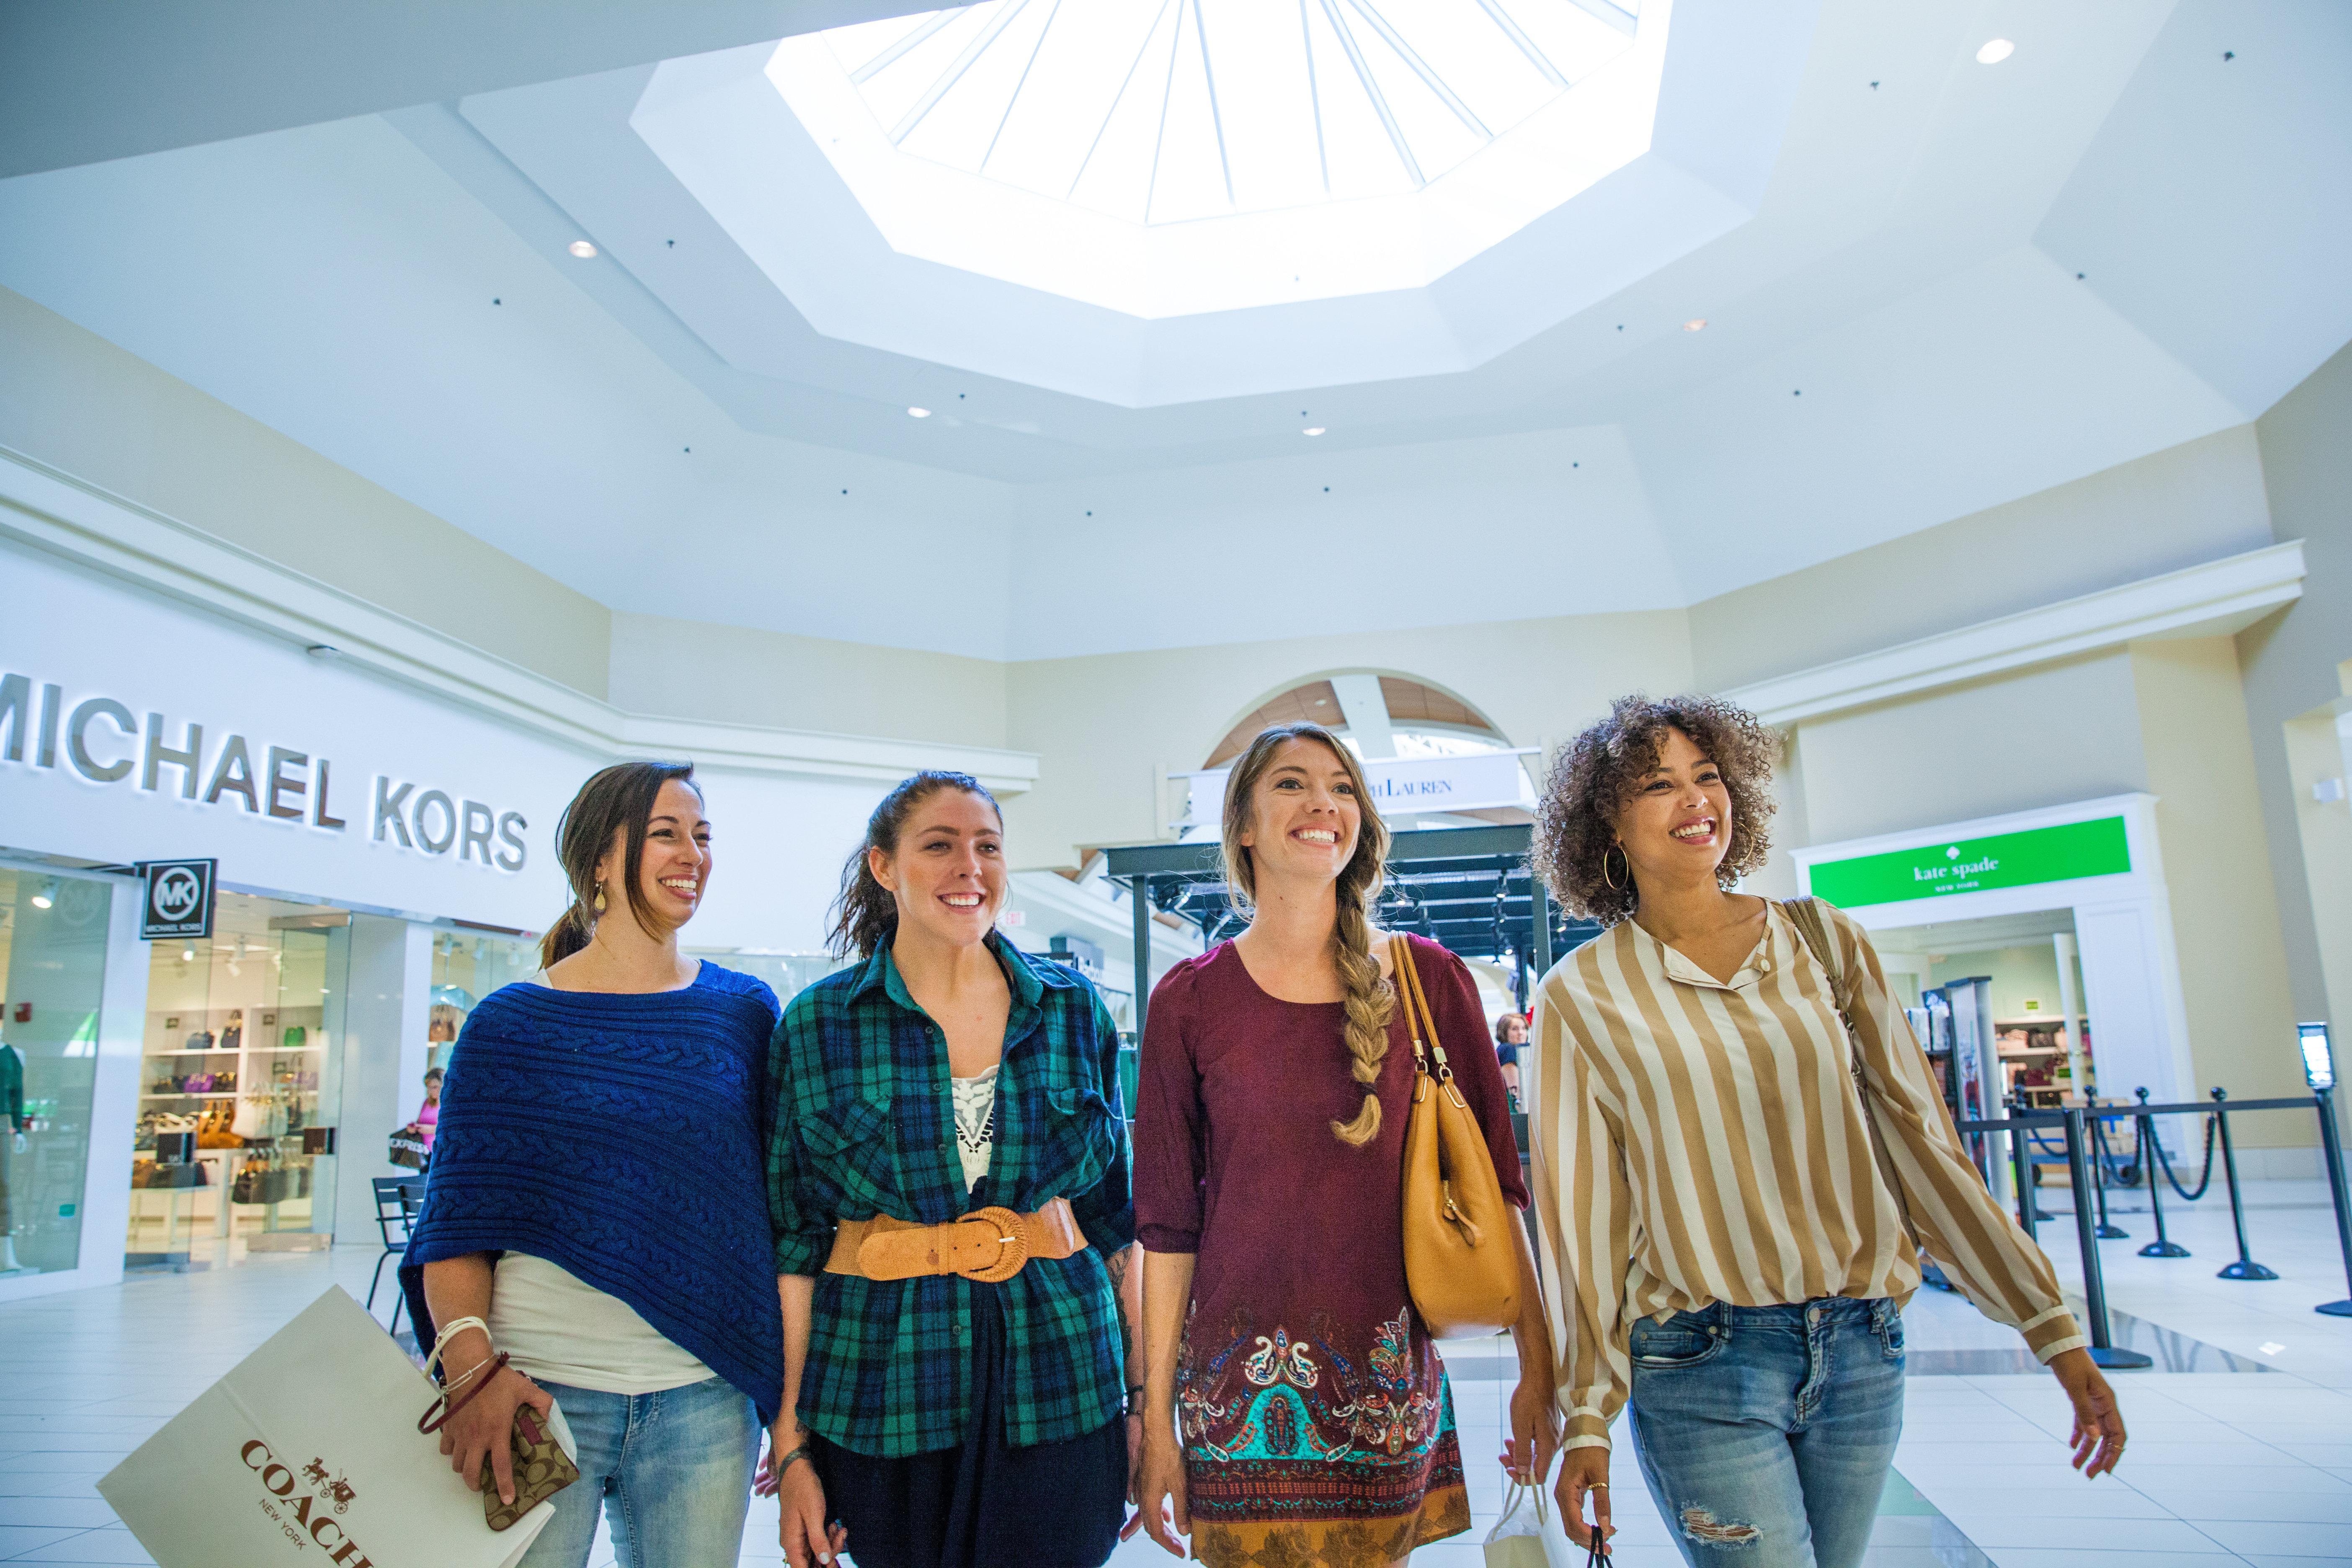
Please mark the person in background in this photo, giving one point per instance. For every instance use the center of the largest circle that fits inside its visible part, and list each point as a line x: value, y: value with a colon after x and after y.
x: 1297, y: 1411
x: 947, y: 1190
x: 1739, y: 1152
x: 1510, y: 1034
x: 593, y: 1213
x: 428, y: 1117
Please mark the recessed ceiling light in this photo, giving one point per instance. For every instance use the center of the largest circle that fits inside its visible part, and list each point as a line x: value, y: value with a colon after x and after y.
x: 919, y: 413
x: 1696, y: 324
x: 581, y: 248
x: 1315, y: 430
x: 1995, y: 51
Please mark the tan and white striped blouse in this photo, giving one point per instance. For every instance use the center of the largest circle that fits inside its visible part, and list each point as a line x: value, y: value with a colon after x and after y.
x: 1698, y: 1140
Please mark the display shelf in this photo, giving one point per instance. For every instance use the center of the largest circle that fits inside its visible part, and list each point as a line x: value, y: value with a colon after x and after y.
x: 213, y: 1094
x: 2040, y: 1021
x: 206, y: 1051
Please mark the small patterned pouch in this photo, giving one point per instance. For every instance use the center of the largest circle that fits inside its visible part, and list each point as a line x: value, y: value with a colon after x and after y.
x: 542, y: 1469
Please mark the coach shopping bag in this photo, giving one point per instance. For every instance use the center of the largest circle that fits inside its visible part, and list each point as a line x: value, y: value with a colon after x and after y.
x: 307, y: 1454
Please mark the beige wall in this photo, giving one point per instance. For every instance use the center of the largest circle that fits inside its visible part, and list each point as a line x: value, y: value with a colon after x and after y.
x: 2191, y: 503
x: 2291, y: 661
x: 741, y: 676
x: 1102, y: 724
x: 2225, y: 913
x: 74, y: 401
x: 2041, y: 737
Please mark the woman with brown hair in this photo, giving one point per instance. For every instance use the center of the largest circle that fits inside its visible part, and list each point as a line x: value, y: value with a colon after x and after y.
x: 1739, y: 1152
x: 1295, y: 1410
x: 947, y: 1190
x: 593, y: 1236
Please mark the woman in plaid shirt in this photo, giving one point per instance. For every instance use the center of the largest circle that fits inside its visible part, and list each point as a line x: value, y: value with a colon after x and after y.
x: 957, y: 1385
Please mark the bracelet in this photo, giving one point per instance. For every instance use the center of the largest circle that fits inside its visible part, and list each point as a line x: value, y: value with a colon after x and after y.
x: 449, y: 1331
x: 776, y: 1467
x: 455, y: 1383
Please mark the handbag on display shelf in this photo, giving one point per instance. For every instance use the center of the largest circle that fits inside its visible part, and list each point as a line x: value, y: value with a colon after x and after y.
x: 306, y: 1444
x: 1460, y: 1263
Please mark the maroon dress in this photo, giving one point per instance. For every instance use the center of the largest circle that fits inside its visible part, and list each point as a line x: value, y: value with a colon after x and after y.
x: 1317, y: 1422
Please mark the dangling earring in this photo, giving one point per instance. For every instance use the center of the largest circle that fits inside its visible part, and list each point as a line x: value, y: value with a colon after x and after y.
x: 1614, y: 885
x: 600, y: 898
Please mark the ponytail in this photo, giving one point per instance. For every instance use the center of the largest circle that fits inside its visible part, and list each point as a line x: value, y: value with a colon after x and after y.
x: 567, y: 936
x: 866, y: 915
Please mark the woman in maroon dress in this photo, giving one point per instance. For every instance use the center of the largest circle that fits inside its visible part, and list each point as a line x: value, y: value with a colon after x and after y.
x: 1316, y: 1423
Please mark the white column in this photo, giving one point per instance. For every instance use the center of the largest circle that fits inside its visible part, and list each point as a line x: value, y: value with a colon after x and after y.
x: 1366, y: 712
x: 2070, y: 1038
x: 384, y: 1026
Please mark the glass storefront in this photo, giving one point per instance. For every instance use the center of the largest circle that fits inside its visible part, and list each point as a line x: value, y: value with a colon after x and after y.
x: 240, y: 1084
x: 466, y: 967
x: 53, y: 954
x: 787, y: 973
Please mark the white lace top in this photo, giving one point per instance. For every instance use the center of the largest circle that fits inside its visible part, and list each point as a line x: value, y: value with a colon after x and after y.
x: 976, y: 1124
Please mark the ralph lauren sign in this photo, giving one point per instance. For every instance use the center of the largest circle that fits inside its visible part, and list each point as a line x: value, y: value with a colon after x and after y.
x: 102, y: 740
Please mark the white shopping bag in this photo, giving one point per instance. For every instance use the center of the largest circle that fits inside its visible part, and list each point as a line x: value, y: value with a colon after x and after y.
x: 307, y: 1453
x: 1527, y: 1538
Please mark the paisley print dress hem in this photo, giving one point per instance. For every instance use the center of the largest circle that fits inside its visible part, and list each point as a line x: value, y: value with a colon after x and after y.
x: 1318, y: 1424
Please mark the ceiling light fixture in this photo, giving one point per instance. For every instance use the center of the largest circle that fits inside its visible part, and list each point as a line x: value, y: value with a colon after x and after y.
x: 919, y: 413
x: 1696, y: 324
x: 46, y: 896
x: 583, y: 249
x: 1315, y: 430
x: 1995, y: 51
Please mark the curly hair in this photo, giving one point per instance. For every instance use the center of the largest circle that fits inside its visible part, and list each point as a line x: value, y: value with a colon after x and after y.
x: 1594, y: 775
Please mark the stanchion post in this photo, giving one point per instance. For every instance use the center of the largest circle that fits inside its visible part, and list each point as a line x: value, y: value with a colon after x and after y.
x: 2021, y: 1171
x: 2245, y: 1267
x: 2163, y: 1246
x: 2332, y: 1143
x: 2099, y: 1157
x: 2095, y: 1284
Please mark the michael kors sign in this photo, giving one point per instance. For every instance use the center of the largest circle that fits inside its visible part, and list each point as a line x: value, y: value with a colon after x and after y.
x: 102, y: 740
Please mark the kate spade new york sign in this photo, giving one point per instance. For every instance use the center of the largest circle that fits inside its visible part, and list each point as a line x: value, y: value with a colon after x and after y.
x: 103, y: 742
x: 2065, y: 853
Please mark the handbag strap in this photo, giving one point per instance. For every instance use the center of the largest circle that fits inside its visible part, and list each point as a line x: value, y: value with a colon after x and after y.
x: 437, y: 1413
x: 1418, y: 1022
x: 1807, y: 913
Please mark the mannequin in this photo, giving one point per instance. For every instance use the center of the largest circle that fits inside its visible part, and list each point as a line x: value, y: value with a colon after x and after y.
x: 12, y: 1142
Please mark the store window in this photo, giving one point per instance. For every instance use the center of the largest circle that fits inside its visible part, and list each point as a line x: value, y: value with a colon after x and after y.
x: 787, y: 973
x: 466, y: 967
x: 53, y: 954
x: 241, y: 1083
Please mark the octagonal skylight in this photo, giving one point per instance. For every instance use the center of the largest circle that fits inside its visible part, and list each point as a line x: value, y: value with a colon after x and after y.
x: 1171, y: 157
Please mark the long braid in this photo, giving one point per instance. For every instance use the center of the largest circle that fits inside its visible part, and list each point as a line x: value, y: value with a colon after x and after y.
x: 1370, y: 1001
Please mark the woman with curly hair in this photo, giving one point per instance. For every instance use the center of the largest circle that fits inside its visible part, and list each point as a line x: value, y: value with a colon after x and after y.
x: 1739, y: 1152
x: 1316, y: 1423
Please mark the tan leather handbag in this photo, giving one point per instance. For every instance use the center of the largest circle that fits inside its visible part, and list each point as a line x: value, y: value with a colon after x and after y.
x: 1460, y: 1263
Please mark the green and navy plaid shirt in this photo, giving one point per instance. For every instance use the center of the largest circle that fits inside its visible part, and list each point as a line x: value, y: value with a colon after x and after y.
x: 866, y: 1125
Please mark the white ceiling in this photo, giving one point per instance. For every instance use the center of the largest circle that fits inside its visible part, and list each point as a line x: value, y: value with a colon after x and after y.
x: 1898, y: 334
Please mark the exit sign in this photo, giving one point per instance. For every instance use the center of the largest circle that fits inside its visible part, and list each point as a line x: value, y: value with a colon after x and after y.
x: 2067, y: 853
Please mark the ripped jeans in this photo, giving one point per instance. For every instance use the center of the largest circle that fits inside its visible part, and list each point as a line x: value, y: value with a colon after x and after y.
x: 1765, y: 1432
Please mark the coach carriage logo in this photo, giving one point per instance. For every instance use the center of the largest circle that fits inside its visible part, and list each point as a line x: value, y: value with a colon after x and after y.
x: 340, y: 1488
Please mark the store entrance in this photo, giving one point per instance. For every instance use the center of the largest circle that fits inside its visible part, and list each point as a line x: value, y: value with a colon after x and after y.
x: 1997, y: 1004
x: 240, y: 1085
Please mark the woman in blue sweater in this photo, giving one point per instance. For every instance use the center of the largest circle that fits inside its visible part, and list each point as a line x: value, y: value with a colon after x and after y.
x: 597, y: 1207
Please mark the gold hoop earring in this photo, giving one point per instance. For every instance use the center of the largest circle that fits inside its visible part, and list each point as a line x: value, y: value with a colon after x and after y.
x: 599, y: 905
x: 1619, y: 850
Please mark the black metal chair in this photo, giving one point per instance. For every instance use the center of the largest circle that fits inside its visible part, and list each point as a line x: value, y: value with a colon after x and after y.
x: 397, y: 1201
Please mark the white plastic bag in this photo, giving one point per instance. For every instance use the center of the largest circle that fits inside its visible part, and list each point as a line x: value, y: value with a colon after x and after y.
x: 307, y: 1452
x: 1528, y: 1538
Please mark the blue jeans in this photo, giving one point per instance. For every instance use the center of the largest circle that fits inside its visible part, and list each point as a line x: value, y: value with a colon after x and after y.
x: 1765, y: 1432
x: 672, y: 1470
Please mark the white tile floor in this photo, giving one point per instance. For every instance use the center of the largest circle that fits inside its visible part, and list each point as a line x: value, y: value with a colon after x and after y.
x: 2246, y: 1466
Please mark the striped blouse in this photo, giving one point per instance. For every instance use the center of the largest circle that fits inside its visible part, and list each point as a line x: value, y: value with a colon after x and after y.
x: 1700, y: 1141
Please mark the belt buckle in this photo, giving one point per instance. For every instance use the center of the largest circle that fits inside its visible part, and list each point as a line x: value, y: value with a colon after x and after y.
x: 1013, y: 1247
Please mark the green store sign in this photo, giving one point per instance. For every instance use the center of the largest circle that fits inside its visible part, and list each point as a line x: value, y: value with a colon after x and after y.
x: 2058, y: 854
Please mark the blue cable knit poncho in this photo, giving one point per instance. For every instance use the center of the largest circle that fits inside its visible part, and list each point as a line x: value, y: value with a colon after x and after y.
x: 620, y: 1137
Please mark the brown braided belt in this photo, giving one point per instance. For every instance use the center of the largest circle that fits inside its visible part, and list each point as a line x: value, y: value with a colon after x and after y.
x: 988, y: 1244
